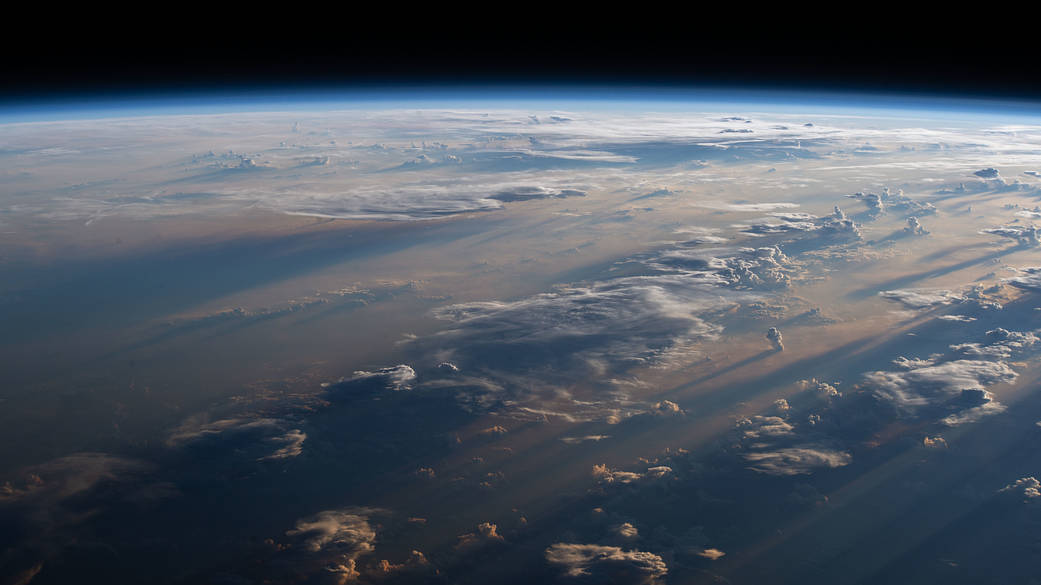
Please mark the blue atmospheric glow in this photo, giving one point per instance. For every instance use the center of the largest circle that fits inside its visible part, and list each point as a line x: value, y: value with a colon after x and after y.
x: 590, y: 97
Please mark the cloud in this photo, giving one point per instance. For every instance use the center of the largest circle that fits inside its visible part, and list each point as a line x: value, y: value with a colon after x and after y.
x: 47, y: 508
x: 486, y: 533
x: 472, y: 393
x: 1000, y: 344
x: 802, y: 459
x: 773, y: 334
x: 606, y: 563
x: 712, y: 554
x: 332, y: 541
x: 416, y: 564
x: 626, y: 531
x: 587, y: 438
x: 583, y: 325
x: 529, y: 192
x: 667, y: 408
x: 985, y: 406
x: 754, y: 206
x: 1029, y: 487
x: 400, y: 377
x: 836, y: 225
x: 1024, y: 235
x: 347, y: 530
x: 955, y: 385
x: 764, y: 268
x: 292, y: 444
x: 921, y: 298
x: 914, y: 227
x: 957, y: 318
x: 1031, y: 280
x: 496, y: 146
x: 256, y: 435
x: 988, y: 173
x: 69, y: 476
x: 758, y: 427
x: 605, y: 475
x: 534, y: 347
x: 936, y: 442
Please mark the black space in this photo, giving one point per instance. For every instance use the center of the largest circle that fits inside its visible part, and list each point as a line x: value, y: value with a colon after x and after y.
x: 247, y: 48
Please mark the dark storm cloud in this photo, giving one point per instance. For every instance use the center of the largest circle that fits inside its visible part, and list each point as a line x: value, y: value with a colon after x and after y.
x: 606, y: 564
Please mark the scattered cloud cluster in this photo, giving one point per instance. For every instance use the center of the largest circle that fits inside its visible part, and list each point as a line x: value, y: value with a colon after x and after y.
x: 879, y: 203
x: 1028, y: 487
x: 605, y: 475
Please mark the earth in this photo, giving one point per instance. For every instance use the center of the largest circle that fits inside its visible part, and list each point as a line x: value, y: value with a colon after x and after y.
x: 705, y: 338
